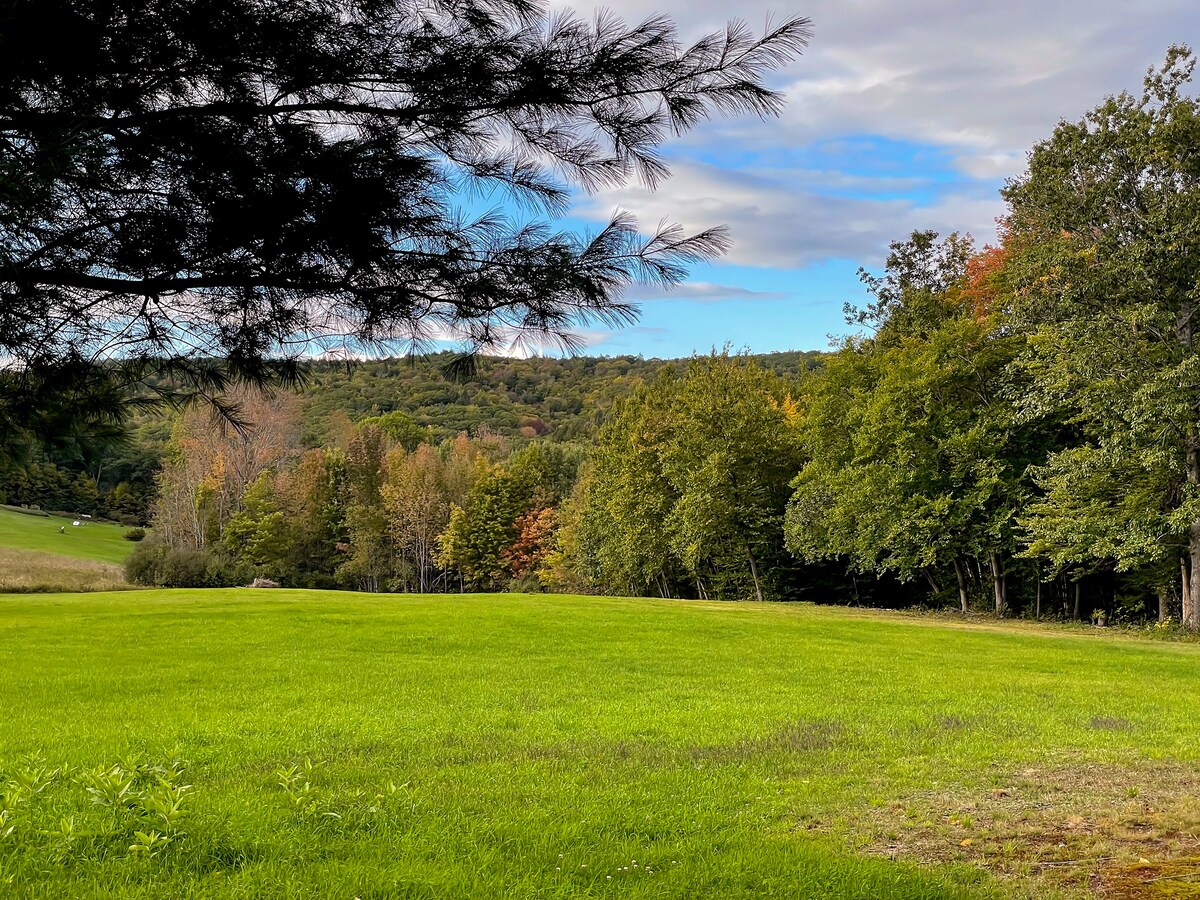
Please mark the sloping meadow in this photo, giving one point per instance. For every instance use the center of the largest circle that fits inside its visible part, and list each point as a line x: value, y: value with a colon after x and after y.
x: 289, y: 743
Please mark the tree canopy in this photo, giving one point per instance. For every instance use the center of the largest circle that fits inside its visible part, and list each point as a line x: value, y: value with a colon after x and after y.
x: 1106, y: 234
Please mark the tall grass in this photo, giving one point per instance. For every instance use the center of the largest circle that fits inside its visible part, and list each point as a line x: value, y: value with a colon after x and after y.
x: 28, y: 571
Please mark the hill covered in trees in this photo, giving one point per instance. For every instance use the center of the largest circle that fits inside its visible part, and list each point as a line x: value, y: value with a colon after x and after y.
x: 561, y: 399
x: 112, y: 473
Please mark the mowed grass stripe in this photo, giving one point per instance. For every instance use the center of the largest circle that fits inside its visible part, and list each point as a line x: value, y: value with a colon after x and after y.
x: 464, y: 742
x: 88, y: 540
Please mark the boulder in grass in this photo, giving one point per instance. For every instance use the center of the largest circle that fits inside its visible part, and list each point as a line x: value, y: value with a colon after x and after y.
x: 264, y: 583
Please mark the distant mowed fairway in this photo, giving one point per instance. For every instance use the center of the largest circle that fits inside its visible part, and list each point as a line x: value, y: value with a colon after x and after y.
x: 89, y: 540
x: 345, y: 745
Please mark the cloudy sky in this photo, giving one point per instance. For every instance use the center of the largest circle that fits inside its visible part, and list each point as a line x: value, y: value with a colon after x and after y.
x: 899, y: 116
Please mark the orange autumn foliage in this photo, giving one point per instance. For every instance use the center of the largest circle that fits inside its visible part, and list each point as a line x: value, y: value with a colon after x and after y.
x: 535, y: 540
x: 983, y: 286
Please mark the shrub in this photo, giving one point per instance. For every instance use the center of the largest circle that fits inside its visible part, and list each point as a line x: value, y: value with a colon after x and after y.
x: 141, y: 566
x: 184, y: 567
x: 134, y: 534
x: 156, y: 564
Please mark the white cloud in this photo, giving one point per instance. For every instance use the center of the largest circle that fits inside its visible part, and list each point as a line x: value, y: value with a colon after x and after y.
x: 979, y: 82
x: 991, y: 76
x: 775, y: 223
x: 700, y: 292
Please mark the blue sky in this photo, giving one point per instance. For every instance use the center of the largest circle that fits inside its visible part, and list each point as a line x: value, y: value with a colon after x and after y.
x: 788, y: 306
x: 898, y: 117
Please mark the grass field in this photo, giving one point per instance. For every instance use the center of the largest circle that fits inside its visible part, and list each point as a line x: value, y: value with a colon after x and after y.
x: 91, y: 540
x: 35, y: 555
x: 342, y: 745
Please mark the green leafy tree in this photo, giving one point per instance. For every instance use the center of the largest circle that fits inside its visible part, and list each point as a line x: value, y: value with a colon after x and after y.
x: 622, y: 512
x: 731, y: 454
x: 400, y: 429
x: 480, y: 532
x: 371, y: 557
x: 312, y: 498
x: 257, y: 533
x: 688, y: 485
x: 1107, y: 230
x: 915, y: 459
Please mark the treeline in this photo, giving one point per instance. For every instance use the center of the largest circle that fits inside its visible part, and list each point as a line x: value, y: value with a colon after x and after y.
x: 383, y: 510
x: 109, y: 475
x: 1019, y: 430
x: 1016, y: 429
x: 563, y: 400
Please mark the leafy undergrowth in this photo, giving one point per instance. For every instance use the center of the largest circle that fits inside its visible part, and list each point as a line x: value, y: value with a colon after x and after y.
x: 348, y: 745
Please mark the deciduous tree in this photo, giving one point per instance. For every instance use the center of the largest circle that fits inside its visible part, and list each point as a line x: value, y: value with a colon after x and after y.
x: 1107, y: 222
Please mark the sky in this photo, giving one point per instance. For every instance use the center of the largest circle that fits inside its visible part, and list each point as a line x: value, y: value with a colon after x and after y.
x: 899, y: 116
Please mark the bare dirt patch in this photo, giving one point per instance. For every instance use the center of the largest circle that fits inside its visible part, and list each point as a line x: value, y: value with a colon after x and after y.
x: 1105, y: 830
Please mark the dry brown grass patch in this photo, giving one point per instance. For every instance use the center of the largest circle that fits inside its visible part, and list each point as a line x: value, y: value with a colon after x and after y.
x: 1084, y: 829
x: 29, y: 571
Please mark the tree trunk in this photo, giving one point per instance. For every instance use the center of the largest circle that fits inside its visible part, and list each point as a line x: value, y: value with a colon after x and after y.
x: 1185, y: 589
x: 998, y: 583
x: 962, y: 584
x: 1037, y: 613
x: 1078, y: 597
x: 1191, y: 616
x: 937, y: 588
x: 758, y: 591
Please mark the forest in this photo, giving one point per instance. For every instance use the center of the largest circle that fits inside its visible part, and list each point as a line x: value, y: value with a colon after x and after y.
x: 1011, y: 428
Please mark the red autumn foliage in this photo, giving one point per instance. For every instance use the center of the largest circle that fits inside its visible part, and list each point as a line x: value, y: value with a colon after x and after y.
x: 535, y: 540
x: 982, y: 285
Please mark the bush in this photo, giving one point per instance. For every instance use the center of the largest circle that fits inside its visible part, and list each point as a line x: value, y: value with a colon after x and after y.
x: 134, y: 534
x: 183, y: 567
x: 155, y: 564
x: 529, y: 583
x: 141, y: 566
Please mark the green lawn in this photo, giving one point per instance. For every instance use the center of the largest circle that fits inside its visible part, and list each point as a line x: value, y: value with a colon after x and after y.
x: 536, y: 746
x: 89, y: 540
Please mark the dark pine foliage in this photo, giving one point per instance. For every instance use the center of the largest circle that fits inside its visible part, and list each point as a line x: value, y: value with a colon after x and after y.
x: 249, y: 181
